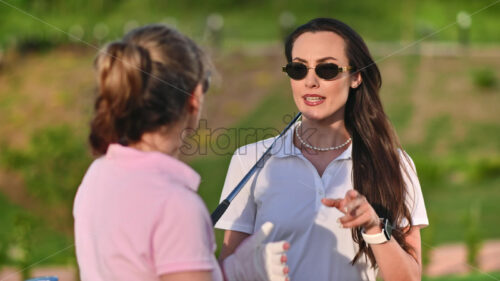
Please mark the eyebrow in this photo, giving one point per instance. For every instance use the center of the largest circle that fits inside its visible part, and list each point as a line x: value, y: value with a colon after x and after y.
x: 327, y: 58
x: 319, y: 60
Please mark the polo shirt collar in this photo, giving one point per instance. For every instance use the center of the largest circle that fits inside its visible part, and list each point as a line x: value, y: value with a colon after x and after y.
x: 155, y: 160
x: 284, y: 147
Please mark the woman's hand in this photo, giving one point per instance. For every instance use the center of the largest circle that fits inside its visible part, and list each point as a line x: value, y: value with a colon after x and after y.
x: 255, y: 260
x: 357, y: 211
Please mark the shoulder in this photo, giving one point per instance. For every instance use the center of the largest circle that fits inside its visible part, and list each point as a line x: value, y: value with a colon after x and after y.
x: 184, y: 218
x: 178, y: 200
x: 95, y: 166
x: 405, y: 160
x: 182, y: 196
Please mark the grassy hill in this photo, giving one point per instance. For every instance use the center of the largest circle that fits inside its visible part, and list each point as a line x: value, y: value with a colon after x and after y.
x: 446, y: 117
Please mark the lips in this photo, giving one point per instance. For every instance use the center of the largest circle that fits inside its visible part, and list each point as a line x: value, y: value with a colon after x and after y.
x: 313, y: 99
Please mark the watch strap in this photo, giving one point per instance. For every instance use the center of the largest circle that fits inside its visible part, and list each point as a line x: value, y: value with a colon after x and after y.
x: 377, y: 238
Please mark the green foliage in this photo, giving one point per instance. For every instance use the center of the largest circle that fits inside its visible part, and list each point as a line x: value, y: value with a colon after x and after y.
x: 427, y: 238
x: 243, y: 20
x: 428, y: 170
x: 470, y: 277
x: 400, y: 109
x: 484, y: 78
x: 485, y: 168
x: 472, y: 228
x: 22, y: 243
x: 52, y: 165
x: 26, y: 238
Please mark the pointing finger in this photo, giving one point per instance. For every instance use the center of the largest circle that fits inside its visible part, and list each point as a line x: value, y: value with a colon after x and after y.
x: 330, y: 202
x: 352, y: 194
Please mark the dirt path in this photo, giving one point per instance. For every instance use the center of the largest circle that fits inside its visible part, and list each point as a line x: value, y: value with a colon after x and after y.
x: 451, y: 259
x: 445, y: 260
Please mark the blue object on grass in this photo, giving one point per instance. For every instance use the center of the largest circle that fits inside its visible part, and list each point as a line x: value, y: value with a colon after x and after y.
x: 44, y: 278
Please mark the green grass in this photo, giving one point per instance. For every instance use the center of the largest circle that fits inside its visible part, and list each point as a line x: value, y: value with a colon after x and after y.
x: 28, y: 231
x: 52, y: 165
x: 400, y: 108
x: 470, y: 277
x: 51, y: 168
x: 448, y: 204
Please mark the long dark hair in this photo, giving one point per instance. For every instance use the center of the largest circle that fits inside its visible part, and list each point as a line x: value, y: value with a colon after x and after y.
x: 376, y: 152
x: 144, y: 81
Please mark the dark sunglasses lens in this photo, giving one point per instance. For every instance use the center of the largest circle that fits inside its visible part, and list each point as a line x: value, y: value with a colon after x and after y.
x: 327, y: 70
x: 296, y: 71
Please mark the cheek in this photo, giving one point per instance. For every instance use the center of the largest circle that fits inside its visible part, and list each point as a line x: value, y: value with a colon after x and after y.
x: 294, y: 86
x: 339, y: 90
x: 296, y: 89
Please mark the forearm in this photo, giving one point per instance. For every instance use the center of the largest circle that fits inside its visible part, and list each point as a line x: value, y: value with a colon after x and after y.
x: 395, y: 263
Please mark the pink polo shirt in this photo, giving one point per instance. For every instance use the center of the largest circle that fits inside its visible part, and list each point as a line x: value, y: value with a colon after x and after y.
x: 138, y: 216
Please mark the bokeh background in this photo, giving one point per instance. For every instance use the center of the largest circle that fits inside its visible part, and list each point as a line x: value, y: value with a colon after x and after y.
x: 440, y: 63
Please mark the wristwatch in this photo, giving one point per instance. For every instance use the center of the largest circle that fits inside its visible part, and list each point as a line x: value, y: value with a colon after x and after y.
x: 381, y: 237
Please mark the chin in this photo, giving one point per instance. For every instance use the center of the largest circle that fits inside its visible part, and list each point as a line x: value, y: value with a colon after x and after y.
x: 320, y: 116
x: 314, y: 115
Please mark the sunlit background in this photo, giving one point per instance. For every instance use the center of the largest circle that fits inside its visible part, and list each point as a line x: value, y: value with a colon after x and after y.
x: 440, y: 64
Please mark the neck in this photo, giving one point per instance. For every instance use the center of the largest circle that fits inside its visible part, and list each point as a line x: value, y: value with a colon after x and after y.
x: 167, y: 140
x: 324, y: 134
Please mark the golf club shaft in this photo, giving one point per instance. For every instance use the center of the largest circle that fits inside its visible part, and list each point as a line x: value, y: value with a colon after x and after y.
x: 219, y: 211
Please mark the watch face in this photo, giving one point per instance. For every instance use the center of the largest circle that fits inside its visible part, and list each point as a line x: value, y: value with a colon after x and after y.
x: 387, y: 229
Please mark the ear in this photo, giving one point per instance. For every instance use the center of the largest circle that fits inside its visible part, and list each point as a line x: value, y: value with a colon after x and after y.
x: 195, y: 100
x: 356, y: 80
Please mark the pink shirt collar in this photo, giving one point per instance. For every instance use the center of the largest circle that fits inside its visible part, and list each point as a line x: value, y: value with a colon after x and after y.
x: 166, y: 164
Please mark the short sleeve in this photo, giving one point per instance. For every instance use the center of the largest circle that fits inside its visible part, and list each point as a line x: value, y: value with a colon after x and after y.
x: 240, y: 215
x: 183, y: 239
x: 414, y: 197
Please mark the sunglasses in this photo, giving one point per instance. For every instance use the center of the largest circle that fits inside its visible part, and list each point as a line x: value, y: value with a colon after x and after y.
x: 327, y: 71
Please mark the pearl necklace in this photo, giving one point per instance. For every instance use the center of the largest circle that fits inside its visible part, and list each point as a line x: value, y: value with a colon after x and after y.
x: 318, y: 148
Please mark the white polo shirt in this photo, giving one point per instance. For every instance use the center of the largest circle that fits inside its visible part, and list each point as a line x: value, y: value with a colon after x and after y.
x: 288, y: 191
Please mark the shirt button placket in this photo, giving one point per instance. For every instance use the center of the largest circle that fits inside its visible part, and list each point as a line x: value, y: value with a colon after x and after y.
x: 320, y: 193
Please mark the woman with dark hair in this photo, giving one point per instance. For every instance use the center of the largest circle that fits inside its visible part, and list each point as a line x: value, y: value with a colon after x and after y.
x: 339, y: 187
x: 137, y: 214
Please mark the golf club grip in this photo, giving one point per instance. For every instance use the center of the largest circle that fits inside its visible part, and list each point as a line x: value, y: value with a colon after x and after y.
x: 219, y: 211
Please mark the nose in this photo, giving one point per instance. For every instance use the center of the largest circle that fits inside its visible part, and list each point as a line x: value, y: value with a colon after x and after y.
x: 311, y: 79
